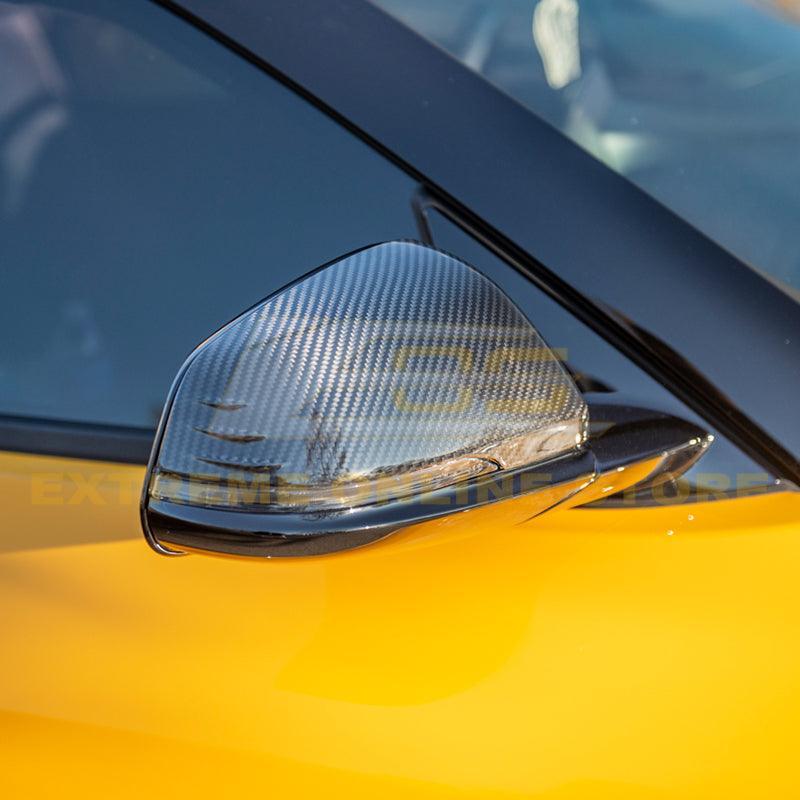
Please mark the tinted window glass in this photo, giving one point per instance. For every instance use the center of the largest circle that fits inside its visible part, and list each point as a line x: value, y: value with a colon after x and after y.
x: 152, y: 186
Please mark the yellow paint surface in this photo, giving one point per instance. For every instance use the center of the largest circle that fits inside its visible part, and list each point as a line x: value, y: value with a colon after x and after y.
x: 633, y: 653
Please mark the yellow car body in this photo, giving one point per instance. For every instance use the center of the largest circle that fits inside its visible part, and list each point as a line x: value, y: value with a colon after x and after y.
x: 164, y: 165
x: 638, y: 652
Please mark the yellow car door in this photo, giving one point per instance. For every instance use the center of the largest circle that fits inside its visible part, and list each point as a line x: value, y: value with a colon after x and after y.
x: 607, y: 653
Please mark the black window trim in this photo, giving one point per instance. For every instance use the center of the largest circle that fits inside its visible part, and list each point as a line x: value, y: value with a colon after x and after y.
x: 96, y: 442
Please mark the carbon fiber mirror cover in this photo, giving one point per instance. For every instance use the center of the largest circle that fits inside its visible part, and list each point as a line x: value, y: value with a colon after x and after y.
x: 397, y: 362
x: 389, y: 374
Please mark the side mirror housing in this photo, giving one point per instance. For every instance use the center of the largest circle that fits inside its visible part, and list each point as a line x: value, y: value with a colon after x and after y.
x: 392, y: 386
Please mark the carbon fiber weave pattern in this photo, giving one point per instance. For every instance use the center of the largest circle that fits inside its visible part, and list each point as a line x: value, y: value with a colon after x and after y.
x: 395, y: 358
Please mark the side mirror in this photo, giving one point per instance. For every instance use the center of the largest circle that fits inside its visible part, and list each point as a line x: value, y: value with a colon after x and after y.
x: 392, y: 386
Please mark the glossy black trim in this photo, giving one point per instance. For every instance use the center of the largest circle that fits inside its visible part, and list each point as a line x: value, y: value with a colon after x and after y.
x: 127, y: 445
x: 673, y: 301
x: 307, y: 534
x: 623, y: 437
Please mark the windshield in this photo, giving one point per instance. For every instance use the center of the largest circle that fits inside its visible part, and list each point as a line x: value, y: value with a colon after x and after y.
x: 696, y: 101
